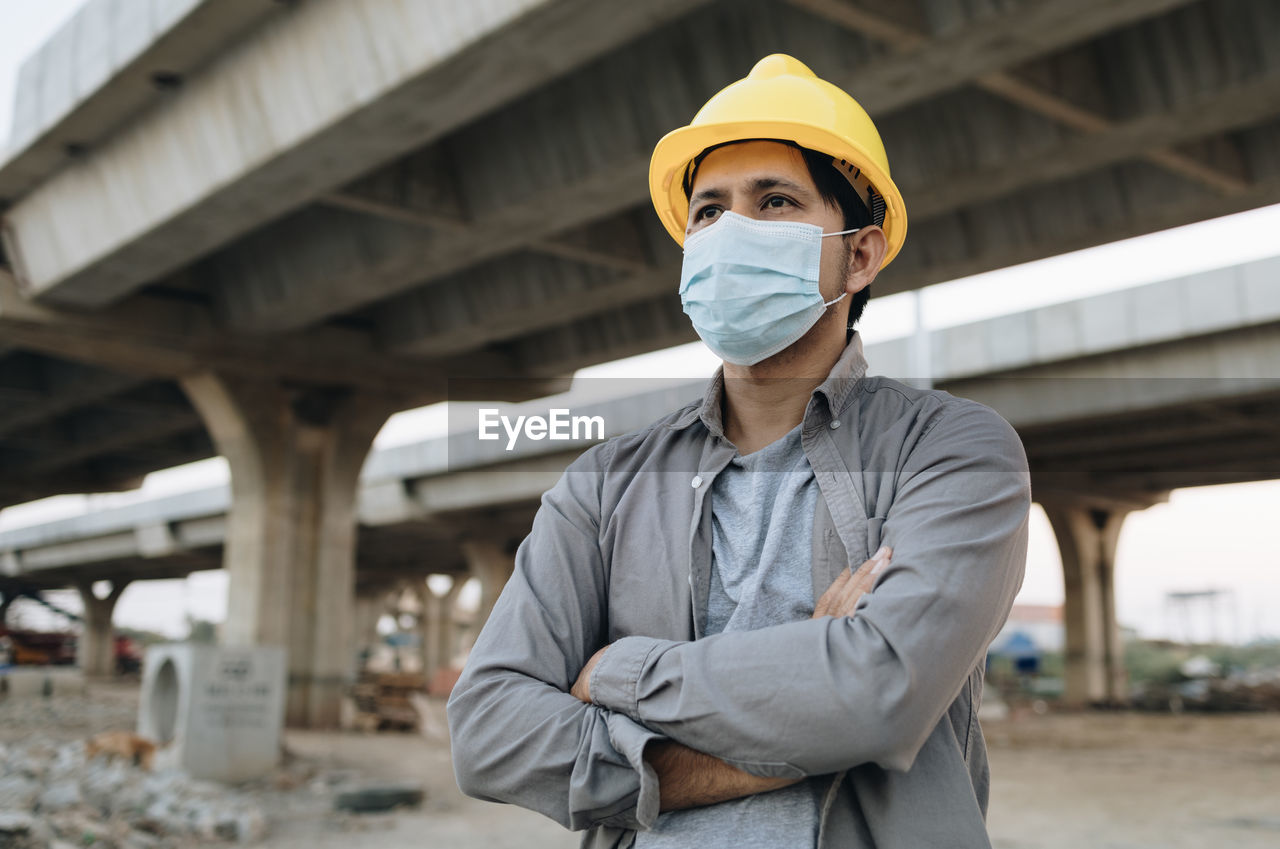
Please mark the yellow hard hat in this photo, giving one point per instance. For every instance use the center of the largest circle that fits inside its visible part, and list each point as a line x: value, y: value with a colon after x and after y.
x: 781, y: 99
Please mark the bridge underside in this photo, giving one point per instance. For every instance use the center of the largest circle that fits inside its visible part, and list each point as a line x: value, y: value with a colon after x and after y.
x: 461, y: 196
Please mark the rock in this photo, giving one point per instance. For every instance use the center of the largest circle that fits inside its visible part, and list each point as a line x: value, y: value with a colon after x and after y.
x: 368, y: 798
x: 83, y: 830
x: 18, y: 793
x: 21, y: 830
x: 68, y: 760
x: 60, y: 796
x: 140, y: 840
x: 105, y: 782
x: 251, y: 825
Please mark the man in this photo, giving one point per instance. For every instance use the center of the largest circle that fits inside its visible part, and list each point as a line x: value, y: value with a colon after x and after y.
x: 698, y: 646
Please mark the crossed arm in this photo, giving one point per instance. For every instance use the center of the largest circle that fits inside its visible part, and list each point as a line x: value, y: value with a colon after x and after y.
x: 688, y: 778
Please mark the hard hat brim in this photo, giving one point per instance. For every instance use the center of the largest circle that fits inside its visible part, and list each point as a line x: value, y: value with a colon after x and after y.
x: 678, y: 148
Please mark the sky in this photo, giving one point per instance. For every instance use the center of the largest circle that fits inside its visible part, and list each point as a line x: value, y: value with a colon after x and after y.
x: 1223, y: 538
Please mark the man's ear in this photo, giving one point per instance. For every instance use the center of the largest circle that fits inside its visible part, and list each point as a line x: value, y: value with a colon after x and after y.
x: 867, y: 248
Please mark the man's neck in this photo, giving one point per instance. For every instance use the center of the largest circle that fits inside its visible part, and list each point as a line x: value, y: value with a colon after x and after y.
x: 763, y: 402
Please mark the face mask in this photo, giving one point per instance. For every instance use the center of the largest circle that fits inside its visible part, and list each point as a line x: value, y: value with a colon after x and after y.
x: 751, y: 287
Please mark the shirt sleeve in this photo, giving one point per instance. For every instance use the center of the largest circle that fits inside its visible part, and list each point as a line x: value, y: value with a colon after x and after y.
x: 825, y: 695
x: 517, y: 734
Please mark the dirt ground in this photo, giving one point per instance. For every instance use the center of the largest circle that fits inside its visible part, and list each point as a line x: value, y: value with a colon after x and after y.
x: 1107, y: 780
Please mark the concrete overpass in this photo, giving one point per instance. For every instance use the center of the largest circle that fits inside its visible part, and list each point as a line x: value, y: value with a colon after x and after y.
x: 257, y: 229
x: 1118, y: 397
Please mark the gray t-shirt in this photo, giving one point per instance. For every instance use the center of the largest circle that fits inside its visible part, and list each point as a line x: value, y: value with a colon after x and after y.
x: 762, y: 508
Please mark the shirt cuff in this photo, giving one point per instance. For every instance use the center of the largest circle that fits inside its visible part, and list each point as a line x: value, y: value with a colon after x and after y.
x: 613, y: 681
x: 630, y: 739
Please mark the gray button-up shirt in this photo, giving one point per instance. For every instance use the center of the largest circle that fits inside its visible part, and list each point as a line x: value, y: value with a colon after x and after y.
x: 883, y: 702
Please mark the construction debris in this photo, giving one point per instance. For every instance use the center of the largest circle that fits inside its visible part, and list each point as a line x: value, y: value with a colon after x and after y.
x: 381, y: 701
x: 370, y: 797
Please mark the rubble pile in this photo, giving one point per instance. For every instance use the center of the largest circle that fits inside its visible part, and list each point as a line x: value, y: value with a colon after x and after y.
x: 66, y: 717
x: 53, y: 797
x: 383, y: 701
x: 1257, y: 690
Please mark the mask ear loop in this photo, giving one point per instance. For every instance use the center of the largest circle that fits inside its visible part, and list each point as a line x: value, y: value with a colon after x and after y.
x: 842, y: 296
x: 841, y: 232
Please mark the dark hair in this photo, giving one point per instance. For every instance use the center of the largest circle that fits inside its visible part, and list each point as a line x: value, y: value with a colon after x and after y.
x: 833, y: 188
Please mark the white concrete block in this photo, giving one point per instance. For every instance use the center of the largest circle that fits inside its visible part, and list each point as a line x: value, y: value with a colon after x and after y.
x: 1261, y: 289
x: 959, y: 350
x: 198, y: 533
x: 1056, y: 332
x: 889, y: 359
x: 1009, y: 341
x: 57, y: 91
x: 155, y: 539
x: 92, y: 52
x: 166, y: 14
x: 1106, y: 322
x: 66, y: 681
x: 1211, y: 300
x: 25, y: 120
x: 387, y: 502
x: 216, y: 712
x: 130, y: 30
x: 1158, y: 317
x: 26, y: 682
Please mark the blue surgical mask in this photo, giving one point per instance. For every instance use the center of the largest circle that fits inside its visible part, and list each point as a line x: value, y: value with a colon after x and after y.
x: 751, y: 287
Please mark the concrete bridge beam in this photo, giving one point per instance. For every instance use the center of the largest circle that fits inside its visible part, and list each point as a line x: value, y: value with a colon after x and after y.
x: 95, y: 654
x: 295, y: 461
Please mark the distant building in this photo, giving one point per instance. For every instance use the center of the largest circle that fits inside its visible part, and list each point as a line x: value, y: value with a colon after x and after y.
x: 1031, y: 626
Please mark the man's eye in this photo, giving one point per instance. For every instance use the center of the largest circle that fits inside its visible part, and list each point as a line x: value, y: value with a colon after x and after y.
x: 707, y: 213
x: 776, y: 202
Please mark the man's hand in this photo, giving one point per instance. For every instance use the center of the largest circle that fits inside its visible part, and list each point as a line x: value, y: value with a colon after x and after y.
x: 581, y: 688
x: 843, y: 594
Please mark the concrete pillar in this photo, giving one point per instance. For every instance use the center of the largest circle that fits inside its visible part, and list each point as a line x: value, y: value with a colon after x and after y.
x: 441, y: 628
x: 1094, y: 660
x: 95, y: 653
x: 370, y: 604
x: 295, y: 459
x: 492, y: 563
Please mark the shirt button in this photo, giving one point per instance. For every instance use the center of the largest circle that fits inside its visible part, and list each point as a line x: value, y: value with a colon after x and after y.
x: 697, y: 481
x: 835, y: 423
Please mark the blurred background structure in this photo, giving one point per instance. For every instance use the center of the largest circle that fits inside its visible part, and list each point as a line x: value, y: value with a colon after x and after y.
x: 259, y: 229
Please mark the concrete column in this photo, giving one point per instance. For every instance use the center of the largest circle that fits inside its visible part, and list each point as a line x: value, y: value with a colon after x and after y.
x: 1094, y: 662
x: 295, y: 460
x: 441, y: 645
x: 95, y: 653
x: 369, y: 606
x: 492, y: 563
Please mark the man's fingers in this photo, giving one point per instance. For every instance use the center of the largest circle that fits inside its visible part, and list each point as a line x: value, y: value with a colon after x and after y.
x: 826, y: 604
x: 860, y: 582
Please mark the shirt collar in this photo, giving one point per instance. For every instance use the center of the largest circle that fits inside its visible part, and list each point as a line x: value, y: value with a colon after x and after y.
x: 837, y: 389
